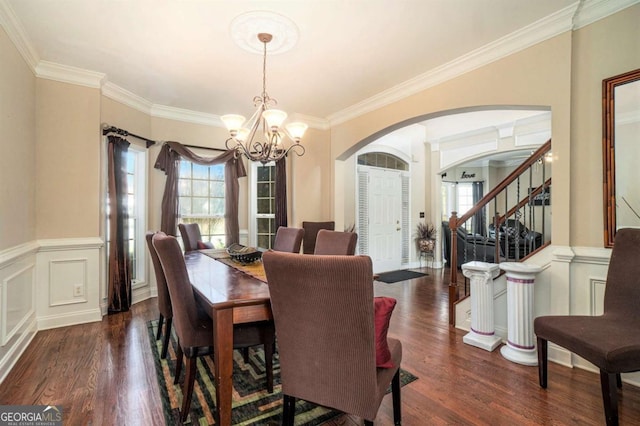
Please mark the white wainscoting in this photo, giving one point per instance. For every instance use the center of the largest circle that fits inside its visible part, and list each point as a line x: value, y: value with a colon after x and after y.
x: 68, y: 281
x: 572, y: 283
x: 17, y: 303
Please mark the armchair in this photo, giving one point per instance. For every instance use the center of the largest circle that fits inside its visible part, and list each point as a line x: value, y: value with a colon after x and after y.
x: 513, y: 233
x: 470, y: 247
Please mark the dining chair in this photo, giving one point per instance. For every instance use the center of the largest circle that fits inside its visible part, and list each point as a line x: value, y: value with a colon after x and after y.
x: 323, y: 308
x: 610, y: 341
x: 192, y: 238
x: 164, y: 300
x: 336, y: 242
x: 288, y: 239
x: 194, y: 327
x: 311, y: 232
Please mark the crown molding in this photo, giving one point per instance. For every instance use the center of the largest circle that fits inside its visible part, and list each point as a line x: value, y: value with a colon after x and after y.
x: 123, y: 96
x: 539, y: 31
x: 69, y: 74
x: 187, y: 115
x: 11, y: 24
x: 593, y: 10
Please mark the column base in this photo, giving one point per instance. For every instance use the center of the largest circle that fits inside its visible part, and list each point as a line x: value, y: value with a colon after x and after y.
x: 482, y: 341
x: 520, y: 356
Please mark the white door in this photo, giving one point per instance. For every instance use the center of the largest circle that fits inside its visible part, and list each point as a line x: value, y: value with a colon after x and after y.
x: 385, y: 219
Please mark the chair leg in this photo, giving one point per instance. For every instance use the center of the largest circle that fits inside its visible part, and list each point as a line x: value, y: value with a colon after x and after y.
x: 609, y: 397
x: 395, y: 394
x: 619, y: 380
x: 187, y: 388
x: 179, y: 356
x: 159, y: 332
x: 245, y: 354
x: 542, y: 362
x: 288, y: 410
x: 167, y: 338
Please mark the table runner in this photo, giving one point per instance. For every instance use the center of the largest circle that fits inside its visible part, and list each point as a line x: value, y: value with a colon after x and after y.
x: 255, y: 269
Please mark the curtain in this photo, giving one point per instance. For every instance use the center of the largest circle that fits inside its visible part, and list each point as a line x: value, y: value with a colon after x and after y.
x: 281, y: 193
x: 479, y: 217
x: 168, y: 161
x: 119, y: 273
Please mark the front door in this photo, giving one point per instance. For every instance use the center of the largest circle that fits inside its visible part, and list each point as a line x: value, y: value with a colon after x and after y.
x: 385, y: 219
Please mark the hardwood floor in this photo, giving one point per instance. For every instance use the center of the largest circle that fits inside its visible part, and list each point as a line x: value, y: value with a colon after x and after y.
x: 103, y: 373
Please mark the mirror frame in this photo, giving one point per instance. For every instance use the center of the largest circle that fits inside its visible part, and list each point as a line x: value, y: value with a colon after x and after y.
x: 608, y: 150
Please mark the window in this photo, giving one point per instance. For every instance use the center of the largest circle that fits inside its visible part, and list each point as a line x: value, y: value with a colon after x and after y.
x: 136, y: 210
x: 201, y: 200
x: 264, y: 206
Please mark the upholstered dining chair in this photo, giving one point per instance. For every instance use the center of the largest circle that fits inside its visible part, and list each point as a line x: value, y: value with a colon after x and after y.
x: 191, y: 237
x: 323, y: 308
x: 194, y: 327
x: 164, y: 300
x: 288, y: 239
x: 336, y: 242
x: 311, y: 232
x: 610, y: 341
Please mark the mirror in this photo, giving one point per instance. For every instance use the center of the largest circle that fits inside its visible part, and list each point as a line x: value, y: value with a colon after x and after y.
x: 621, y: 151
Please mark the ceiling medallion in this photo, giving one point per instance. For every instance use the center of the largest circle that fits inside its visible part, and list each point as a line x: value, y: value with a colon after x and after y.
x: 245, y: 27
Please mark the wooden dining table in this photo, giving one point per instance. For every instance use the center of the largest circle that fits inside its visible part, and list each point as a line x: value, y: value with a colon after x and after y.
x: 230, y: 297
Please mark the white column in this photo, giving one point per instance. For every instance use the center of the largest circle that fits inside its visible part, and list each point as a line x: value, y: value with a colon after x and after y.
x: 482, y: 332
x: 521, y: 345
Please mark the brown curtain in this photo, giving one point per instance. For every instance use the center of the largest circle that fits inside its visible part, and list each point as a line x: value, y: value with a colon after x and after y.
x: 168, y: 161
x: 119, y: 259
x: 281, y: 193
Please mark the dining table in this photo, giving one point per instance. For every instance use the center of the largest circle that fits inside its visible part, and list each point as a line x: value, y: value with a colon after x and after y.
x: 231, y: 295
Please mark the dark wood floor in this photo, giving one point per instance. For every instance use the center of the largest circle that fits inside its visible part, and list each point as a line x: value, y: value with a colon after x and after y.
x: 103, y: 373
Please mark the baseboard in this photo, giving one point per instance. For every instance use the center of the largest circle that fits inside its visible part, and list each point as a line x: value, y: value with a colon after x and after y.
x: 73, y: 318
x: 11, y: 357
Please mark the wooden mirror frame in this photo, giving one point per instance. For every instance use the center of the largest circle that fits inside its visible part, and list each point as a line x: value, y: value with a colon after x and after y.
x: 608, y: 150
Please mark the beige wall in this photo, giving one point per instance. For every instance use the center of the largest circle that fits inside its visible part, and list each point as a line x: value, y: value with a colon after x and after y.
x: 539, y: 75
x: 67, y: 160
x: 608, y: 47
x: 18, y: 142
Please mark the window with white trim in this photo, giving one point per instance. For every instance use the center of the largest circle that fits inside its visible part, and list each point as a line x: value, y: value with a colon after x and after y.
x: 201, y: 193
x: 136, y: 168
x: 263, y: 205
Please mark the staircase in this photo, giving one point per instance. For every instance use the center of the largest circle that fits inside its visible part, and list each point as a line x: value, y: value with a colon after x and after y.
x: 524, y: 228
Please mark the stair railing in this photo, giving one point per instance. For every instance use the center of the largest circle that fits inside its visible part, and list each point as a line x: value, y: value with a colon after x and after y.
x: 513, y: 236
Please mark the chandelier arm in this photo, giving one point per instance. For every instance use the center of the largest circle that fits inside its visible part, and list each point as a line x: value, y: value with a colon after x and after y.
x: 296, y: 149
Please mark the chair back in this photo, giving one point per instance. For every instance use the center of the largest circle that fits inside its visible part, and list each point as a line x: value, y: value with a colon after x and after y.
x: 324, y: 316
x: 164, y: 300
x: 190, y: 233
x: 336, y: 243
x: 622, y: 291
x: 183, y: 301
x: 311, y: 232
x: 288, y: 239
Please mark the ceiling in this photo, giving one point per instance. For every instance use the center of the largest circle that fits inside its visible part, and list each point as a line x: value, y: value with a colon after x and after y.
x: 180, y: 53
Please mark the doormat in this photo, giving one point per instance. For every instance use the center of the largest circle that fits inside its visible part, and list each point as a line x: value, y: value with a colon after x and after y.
x: 402, y: 275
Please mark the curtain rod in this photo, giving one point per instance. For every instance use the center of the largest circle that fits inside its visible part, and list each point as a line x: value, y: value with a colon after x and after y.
x: 111, y: 129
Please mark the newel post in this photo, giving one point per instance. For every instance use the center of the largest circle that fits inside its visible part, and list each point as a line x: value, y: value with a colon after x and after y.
x: 453, y: 267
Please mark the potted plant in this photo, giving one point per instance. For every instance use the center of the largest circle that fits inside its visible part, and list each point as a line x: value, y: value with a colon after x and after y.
x: 425, y: 236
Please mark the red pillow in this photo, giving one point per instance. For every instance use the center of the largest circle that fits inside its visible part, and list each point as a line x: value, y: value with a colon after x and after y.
x: 204, y: 245
x: 382, y: 310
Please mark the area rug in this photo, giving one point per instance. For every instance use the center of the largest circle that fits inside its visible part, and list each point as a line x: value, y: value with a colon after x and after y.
x: 402, y: 275
x: 252, y: 404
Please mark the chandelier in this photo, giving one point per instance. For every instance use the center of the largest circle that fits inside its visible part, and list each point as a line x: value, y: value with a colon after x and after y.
x: 278, y: 141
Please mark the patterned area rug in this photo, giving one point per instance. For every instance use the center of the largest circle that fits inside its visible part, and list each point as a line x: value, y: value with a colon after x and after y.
x: 252, y: 405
